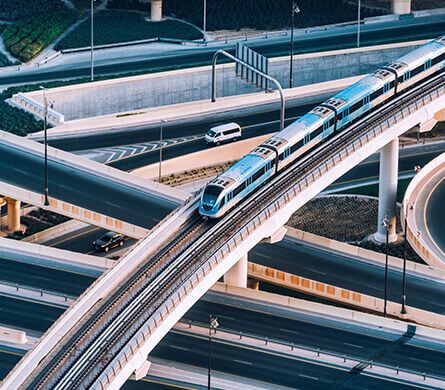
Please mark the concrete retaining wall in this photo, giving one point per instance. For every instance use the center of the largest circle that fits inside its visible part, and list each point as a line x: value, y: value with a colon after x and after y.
x: 160, y: 89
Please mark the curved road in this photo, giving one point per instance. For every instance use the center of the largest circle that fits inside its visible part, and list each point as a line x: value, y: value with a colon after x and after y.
x: 435, y: 215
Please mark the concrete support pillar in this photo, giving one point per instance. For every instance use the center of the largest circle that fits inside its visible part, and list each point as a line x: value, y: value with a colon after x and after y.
x: 237, y: 275
x: 156, y: 10
x: 13, y: 214
x: 401, y: 7
x: 389, y: 169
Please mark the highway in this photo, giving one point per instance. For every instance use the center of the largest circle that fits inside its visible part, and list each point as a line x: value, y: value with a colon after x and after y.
x: 435, y: 215
x: 186, y: 56
x: 267, y: 321
x: 350, y: 273
x: 83, y: 188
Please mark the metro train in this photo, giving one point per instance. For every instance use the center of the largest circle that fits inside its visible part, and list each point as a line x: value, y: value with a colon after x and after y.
x: 325, y: 120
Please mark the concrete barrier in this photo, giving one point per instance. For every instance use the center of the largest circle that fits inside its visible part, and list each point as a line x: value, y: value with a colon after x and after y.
x: 316, y: 308
x: 205, y: 158
x: 12, y: 335
x: 59, y: 254
x: 341, y: 295
x: 366, y: 254
x: 35, y: 107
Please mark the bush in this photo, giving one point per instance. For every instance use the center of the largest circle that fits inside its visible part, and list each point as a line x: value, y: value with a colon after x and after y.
x: 30, y: 34
x: 12, y: 10
x: 121, y: 26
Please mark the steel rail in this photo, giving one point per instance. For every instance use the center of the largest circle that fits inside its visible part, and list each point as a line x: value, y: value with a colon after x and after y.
x: 186, y: 263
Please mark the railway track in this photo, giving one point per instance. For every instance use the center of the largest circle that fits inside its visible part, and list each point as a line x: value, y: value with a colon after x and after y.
x: 99, y: 340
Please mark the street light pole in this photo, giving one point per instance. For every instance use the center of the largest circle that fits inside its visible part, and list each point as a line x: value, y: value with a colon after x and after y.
x: 45, y: 120
x: 213, y: 324
x: 403, y: 311
x: 160, y: 150
x: 92, y: 41
x: 358, y: 25
x: 385, y: 223
x: 295, y: 10
x: 205, y: 20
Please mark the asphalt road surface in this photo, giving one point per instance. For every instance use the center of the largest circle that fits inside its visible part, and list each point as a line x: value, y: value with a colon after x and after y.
x: 83, y: 188
x: 185, y: 57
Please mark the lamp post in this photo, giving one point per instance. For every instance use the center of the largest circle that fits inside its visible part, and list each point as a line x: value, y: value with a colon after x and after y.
x: 92, y: 40
x: 385, y: 223
x: 45, y: 120
x: 295, y: 10
x: 160, y: 149
x: 358, y: 25
x: 213, y: 324
x: 205, y: 20
x: 403, y: 311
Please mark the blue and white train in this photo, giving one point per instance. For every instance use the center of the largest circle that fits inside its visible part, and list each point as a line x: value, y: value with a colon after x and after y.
x: 253, y: 170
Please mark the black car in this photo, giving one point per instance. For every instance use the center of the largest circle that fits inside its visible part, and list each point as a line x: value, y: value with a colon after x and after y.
x: 108, y: 240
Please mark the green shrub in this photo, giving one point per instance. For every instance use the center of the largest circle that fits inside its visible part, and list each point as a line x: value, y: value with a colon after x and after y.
x: 30, y: 34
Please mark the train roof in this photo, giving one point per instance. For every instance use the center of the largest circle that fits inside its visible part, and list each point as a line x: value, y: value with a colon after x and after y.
x: 241, y: 170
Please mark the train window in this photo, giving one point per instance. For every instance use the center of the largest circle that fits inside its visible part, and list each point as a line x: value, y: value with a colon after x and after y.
x: 307, y: 138
x: 427, y: 64
x: 407, y: 75
x: 296, y: 146
x: 345, y: 112
x: 366, y: 100
x: 386, y: 88
x: 325, y: 126
x: 287, y: 152
x: 258, y: 174
x: 438, y: 59
x: 357, y: 105
x: 223, y: 201
x: 229, y: 196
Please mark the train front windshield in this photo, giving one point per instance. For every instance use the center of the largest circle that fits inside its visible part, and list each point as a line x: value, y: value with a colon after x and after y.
x: 210, y: 196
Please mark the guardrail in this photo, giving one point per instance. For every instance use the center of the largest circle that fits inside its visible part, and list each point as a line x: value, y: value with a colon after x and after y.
x: 317, y: 351
x: 40, y: 291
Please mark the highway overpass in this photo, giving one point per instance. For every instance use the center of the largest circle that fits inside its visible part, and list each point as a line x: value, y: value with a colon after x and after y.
x: 176, y: 282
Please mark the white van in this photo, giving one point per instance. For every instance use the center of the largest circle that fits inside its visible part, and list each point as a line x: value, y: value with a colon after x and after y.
x: 223, y: 133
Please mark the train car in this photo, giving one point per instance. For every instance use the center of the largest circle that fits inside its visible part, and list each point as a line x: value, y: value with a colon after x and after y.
x: 329, y: 118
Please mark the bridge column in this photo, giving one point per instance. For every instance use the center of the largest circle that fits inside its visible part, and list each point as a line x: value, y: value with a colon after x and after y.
x: 388, y: 172
x: 13, y: 214
x: 156, y: 10
x: 401, y: 6
x: 237, y: 275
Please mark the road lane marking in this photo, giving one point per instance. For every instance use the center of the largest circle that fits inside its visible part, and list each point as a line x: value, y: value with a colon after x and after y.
x: 178, y: 347
x: 354, y: 345
x: 309, y: 377
x: 261, y: 255
x: 288, y: 330
x: 242, y: 362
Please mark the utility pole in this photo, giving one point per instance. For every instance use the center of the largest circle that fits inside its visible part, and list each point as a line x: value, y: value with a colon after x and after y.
x: 160, y: 149
x: 295, y: 10
x: 358, y: 25
x: 385, y: 223
x: 92, y: 40
x: 213, y: 324
x: 45, y: 124
x: 205, y: 19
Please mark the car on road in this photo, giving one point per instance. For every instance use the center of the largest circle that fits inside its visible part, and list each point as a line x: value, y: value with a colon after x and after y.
x: 108, y: 240
x: 223, y: 133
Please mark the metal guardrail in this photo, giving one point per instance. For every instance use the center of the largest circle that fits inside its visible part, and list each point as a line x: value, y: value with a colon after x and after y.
x: 42, y: 291
x: 317, y: 351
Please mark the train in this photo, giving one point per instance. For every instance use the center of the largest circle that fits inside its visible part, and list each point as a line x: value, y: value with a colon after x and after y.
x: 318, y: 125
